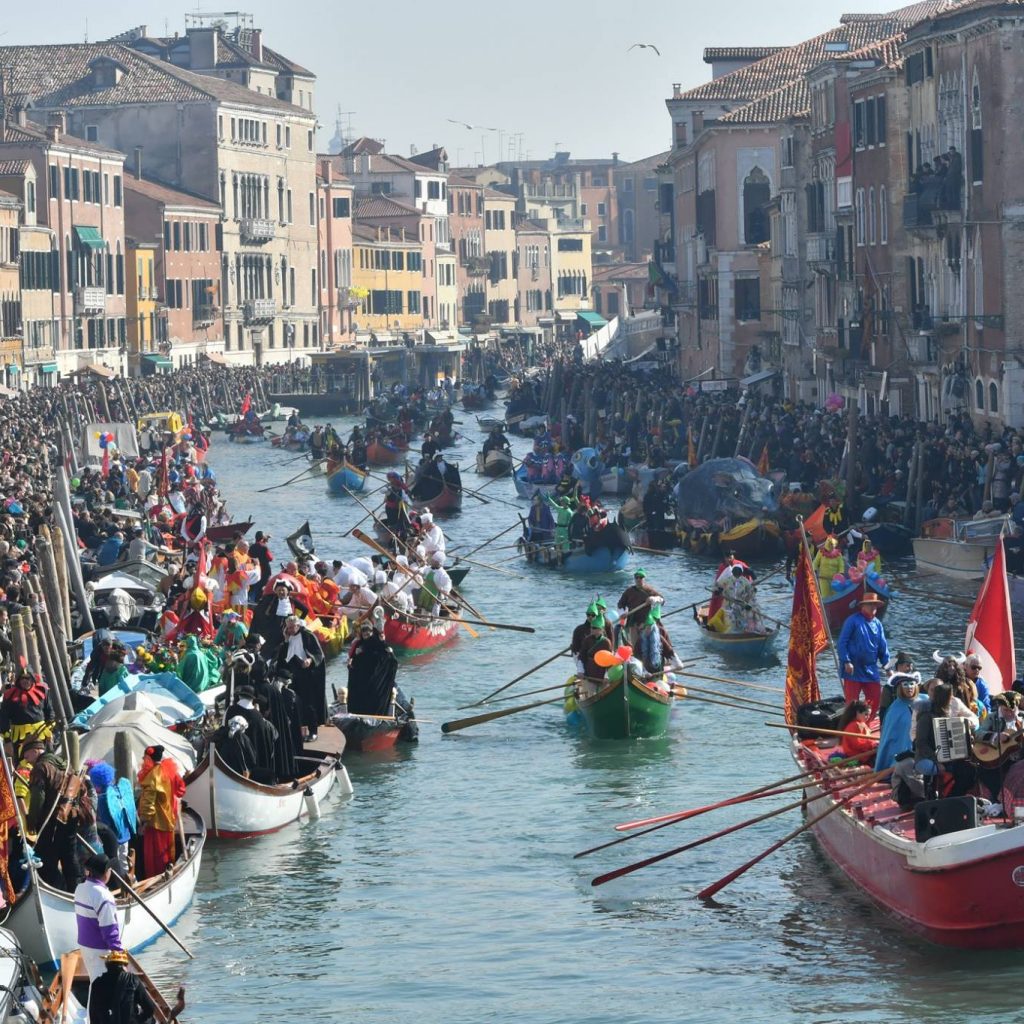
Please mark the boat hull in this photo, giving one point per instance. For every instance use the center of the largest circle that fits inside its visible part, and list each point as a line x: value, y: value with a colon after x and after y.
x: 494, y: 463
x: 754, y: 539
x: 43, y: 918
x: 753, y: 646
x: 962, y: 890
x: 238, y: 808
x: 839, y: 607
x: 890, y: 539
x: 246, y: 438
x: 528, y: 488
x: 409, y: 640
x: 448, y: 500
x: 380, y: 454
x: 957, y: 559
x: 343, y: 477
x: 618, y: 711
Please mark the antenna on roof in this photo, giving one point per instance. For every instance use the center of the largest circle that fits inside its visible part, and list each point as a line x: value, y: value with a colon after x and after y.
x: 87, y: 30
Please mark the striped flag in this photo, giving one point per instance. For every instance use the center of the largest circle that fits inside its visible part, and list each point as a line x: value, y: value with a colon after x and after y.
x: 990, y: 627
x: 807, y: 639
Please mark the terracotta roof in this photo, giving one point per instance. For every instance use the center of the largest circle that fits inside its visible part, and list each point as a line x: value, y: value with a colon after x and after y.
x: 792, y: 100
x: 276, y: 59
x: 713, y: 53
x: 34, y: 133
x: 60, y: 76
x: 8, y: 197
x: 647, y: 163
x: 531, y: 225
x: 432, y: 158
x: 165, y: 194
x: 383, y: 207
x: 457, y: 180
x: 364, y: 144
x: 365, y: 233
x: 887, y: 52
x: 9, y: 167
x: 493, y: 193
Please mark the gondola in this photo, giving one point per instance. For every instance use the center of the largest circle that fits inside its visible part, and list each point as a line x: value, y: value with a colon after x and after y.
x: 447, y: 498
x: 239, y: 808
x: 410, y: 639
x: 754, y: 646
x: 219, y: 534
x: 605, y: 550
x: 497, y: 462
x: 627, y: 708
x: 386, y: 453
x: 526, y: 488
x: 343, y: 476
x: 43, y: 916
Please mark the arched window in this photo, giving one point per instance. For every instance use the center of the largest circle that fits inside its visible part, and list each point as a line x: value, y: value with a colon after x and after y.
x: 883, y: 216
x: 872, y: 236
x: 979, y: 395
x: 993, y: 397
x: 757, y: 193
x: 858, y: 203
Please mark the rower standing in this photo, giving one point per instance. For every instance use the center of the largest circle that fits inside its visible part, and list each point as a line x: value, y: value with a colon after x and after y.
x: 634, y: 603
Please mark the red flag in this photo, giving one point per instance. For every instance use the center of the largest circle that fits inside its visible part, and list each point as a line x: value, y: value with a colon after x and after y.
x: 807, y: 639
x: 763, y: 466
x: 990, y: 627
x: 246, y: 403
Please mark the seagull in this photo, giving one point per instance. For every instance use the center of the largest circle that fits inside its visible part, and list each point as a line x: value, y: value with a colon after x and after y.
x: 472, y: 127
x: 645, y: 46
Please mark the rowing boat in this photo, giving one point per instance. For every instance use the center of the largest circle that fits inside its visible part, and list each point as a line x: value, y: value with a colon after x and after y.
x: 239, y: 808
x: 386, y: 453
x: 43, y: 916
x: 343, y: 476
x: 495, y: 463
x: 626, y: 708
x: 410, y: 639
x: 739, y: 644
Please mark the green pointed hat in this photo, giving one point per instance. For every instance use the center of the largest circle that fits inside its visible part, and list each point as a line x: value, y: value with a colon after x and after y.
x: 597, y: 622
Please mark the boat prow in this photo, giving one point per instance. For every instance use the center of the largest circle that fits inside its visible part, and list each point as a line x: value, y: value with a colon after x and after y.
x: 239, y: 808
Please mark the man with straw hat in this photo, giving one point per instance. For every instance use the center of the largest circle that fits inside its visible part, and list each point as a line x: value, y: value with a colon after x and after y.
x: 863, y: 650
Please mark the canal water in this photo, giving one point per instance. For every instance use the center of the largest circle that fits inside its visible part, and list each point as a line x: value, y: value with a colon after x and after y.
x: 445, y: 891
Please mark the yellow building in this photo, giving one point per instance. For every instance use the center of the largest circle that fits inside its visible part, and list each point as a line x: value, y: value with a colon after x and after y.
x: 387, y: 264
x: 141, y: 304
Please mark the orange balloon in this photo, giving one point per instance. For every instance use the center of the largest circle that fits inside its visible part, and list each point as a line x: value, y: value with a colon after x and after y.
x: 606, y: 659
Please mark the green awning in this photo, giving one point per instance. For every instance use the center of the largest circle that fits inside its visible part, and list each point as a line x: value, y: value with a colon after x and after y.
x: 90, y: 237
x: 157, y: 360
x: 48, y: 368
x: 594, y: 320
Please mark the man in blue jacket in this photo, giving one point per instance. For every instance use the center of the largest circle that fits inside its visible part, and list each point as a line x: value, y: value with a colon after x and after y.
x: 862, y: 651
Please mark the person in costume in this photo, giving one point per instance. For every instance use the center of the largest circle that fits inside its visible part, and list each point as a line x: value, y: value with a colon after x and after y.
x: 829, y: 562
x: 119, y: 996
x: 114, y: 670
x: 722, y: 573
x: 26, y: 711
x: 301, y: 654
x: 435, y: 588
x: 896, y: 735
x: 232, y: 632
x: 596, y: 640
x: 159, y: 805
x: 233, y: 746
x: 99, y: 932
x: 260, y: 735
x: 31, y: 751
x: 273, y: 611
x: 115, y: 808
x: 862, y: 649
x: 372, y: 668
x: 432, y: 536
x: 563, y: 518
x: 195, y: 669
x: 739, y: 596
x: 869, y: 559
x: 540, y: 526
x: 857, y: 740
x: 634, y: 603
x: 649, y: 646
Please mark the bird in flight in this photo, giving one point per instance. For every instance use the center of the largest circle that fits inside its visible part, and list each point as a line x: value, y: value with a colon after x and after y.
x: 472, y: 127
x: 645, y: 46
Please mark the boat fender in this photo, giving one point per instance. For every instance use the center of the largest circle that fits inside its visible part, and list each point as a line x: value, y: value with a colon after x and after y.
x: 312, y: 804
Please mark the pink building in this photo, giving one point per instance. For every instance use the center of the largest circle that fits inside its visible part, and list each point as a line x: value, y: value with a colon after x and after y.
x: 334, y: 243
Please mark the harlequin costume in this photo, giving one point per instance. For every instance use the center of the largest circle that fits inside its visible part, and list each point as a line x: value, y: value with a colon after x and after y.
x: 26, y: 712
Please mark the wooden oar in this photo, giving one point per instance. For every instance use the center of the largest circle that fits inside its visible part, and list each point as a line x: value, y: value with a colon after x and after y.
x: 727, y: 704
x: 747, y: 701
x: 493, y: 568
x: 725, y: 679
x: 308, y: 469
x: 465, y: 723
x: 657, y: 858
x: 818, y: 732
x: 479, y: 547
x: 476, y: 622
x: 348, y: 532
x: 528, y: 672
x: 649, y: 551
x: 715, y: 887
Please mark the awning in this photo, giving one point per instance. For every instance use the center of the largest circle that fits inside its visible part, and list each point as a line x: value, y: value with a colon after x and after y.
x: 594, y: 320
x: 89, y: 237
x: 48, y: 368
x: 565, y: 316
x: 157, y: 360
x: 217, y: 357
x: 756, y: 378
x: 101, y: 371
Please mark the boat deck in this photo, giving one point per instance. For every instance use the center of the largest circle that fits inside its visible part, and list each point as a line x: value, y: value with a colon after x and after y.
x: 330, y: 740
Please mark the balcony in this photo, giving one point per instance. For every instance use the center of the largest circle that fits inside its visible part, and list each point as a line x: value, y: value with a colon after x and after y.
x: 256, y: 230
x: 665, y: 256
x: 90, y: 300
x: 930, y: 208
x: 259, y: 311
x: 821, y: 249
x: 204, y: 316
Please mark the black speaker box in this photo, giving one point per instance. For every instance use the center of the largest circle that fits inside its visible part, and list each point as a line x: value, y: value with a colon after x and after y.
x: 940, y: 817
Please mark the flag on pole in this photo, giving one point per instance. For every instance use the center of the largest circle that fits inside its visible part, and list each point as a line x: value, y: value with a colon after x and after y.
x: 807, y: 639
x: 990, y: 627
x: 246, y: 403
x: 763, y: 465
x: 691, y: 449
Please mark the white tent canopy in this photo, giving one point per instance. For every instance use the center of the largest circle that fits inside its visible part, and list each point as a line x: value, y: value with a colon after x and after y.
x: 144, y: 730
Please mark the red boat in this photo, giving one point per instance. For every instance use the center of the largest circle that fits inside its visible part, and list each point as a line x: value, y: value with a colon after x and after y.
x: 962, y: 889
x: 219, y: 534
x: 438, y: 495
x: 409, y: 639
x: 386, y: 453
x: 368, y: 735
x: 839, y: 607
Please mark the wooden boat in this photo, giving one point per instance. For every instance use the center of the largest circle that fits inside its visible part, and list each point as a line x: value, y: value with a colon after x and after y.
x: 43, y: 917
x: 448, y: 499
x: 962, y: 889
x: 579, y: 561
x: 410, y: 639
x: 841, y: 604
x: 238, y: 438
x: 528, y: 488
x: 488, y: 423
x: 495, y: 463
x: 622, y: 710
x: 290, y: 444
x: 332, y: 635
x: 386, y: 453
x: 219, y: 534
x: 754, y: 646
x: 753, y: 539
x: 238, y: 808
x: 475, y: 398
x: 890, y: 539
x: 959, y: 548
x: 68, y: 994
x: 343, y: 476
x: 445, y: 440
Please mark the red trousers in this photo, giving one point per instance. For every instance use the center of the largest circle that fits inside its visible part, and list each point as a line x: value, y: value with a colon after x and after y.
x: 158, y: 849
x: 872, y: 694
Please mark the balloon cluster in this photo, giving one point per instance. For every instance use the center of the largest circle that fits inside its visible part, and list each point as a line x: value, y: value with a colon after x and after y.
x: 106, y: 439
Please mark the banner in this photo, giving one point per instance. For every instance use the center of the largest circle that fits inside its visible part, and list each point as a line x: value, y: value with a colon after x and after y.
x: 807, y: 639
x: 990, y: 627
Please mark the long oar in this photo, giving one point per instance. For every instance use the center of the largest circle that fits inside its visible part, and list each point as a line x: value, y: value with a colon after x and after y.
x: 816, y: 731
x: 465, y: 723
x: 142, y: 903
x: 725, y: 679
x: 746, y: 701
x: 348, y: 532
x: 711, y: 890
x: 477, y: 622
x: 308, y: 469
x: 479, y: 547
x: 493, y: 568
x: 528, y: 672
x: 658, y: 857
x: 728, y: 704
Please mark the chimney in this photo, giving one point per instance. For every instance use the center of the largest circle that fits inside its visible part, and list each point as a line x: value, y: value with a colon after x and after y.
x: 256, y: 44
x: 138, y: 162
x: 57, y: 126
x: 615, y: 159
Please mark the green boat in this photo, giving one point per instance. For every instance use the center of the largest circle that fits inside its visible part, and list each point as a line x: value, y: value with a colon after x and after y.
x: 616, y: 710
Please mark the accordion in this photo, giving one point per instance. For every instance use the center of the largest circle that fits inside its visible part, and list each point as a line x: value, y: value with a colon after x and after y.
x: 952, y: 739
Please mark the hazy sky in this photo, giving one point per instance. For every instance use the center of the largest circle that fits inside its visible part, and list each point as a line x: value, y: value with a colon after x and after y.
x: 557, y: 71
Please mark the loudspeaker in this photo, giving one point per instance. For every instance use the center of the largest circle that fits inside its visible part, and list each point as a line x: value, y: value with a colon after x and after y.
x: 940, y: 817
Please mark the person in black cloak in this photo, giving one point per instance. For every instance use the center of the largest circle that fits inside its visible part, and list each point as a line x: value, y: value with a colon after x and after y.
x: 234, y: 748
x: 372, y: 667
x: 260, y: 734
x: 271, y: 614
x: 300, y: 652
x: 119, y: 996
x: 285, y: 713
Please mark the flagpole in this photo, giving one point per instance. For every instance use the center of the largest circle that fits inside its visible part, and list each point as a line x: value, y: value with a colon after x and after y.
x: 821, y: 601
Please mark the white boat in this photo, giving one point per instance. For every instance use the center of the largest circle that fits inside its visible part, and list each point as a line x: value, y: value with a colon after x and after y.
x: 959, y: 548
x: 239, y: 808
x: 495, y: 463
x: 43, y: 917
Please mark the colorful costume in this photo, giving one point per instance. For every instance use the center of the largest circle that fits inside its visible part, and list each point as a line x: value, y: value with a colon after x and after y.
x: 828, y: 563
x: 162, y: 790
